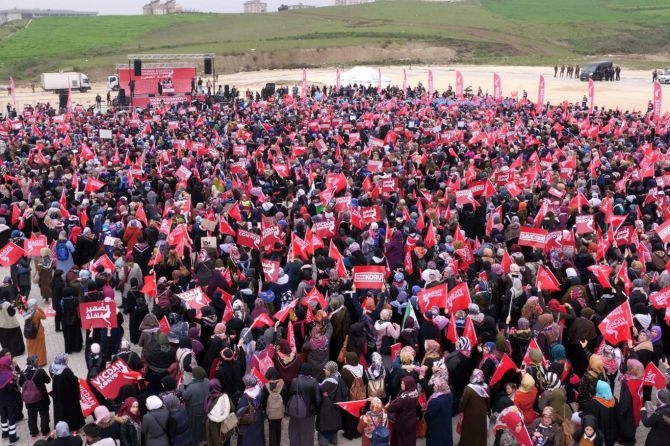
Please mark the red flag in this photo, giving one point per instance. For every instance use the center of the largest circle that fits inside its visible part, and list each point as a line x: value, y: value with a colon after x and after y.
x: 353, y: 407
x: 259, y: 376
x: 592, y: 95
x: 234, y: 211
x: 227, y: 313
x: 458, y: 298
x: 469, y: 332
x: 432, y: 297
x: 540, y: 95
x: 141, y: 215
x: 16, y: 214
x: 506, y: 262
x: 262, y: 320
x: 497, y: 87
x: 10, y: 254
x: 334, y: 253
x: 452, y: 334
x: 225, y: 228
x: 533, y: 345
x: 93, y: 185
x: 546, y: 280
x: 654, y: 377
x: 615, y: 327
x: 315, y: 296
x: 430, y: 236
x: 149, y: 287
x: 505, y: 365
x: 290, y: 336
x: 622, y: 275
x: 658, y: 97
x: 164, y: 325
x: 660, y: 299
x: 602, y: 273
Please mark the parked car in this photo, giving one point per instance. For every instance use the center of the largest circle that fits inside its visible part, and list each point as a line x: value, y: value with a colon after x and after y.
x: 595, y: 70
x: 664, y: 76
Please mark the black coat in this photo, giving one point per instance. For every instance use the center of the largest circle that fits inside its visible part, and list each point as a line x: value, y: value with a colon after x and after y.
x: 607, y: 420
x: 330, y: 415
x: 41, y: 379
x: 659, y: 424
x: 309, y: 389
x: 65, y: 392
x: 439, y: 410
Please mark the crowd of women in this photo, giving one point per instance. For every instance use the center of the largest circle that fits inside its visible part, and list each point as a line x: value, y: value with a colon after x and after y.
x: 268, y: 208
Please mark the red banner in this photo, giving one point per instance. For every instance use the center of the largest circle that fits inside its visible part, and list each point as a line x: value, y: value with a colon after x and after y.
x: 369, y: 277
x: 615, y: 327
x: 375, y: 166
x: 540, y: 95
x: 558, y: 240
x: 97, y: 315
x: 32, y: 246
x: 432, y: 297
x: 663, y: 231
x: 459, y: 85
x: 660, y: 299
x: 342, y: 203
x: 325, y: 228
x: 371, y: 214
x: 592, y: 95
x: 654, y: 377
x: 248, y: 239
x: 194, y: 299
x: 10, y: 254
x: 533, y: 237
x: 88, y: 401
x: 109, y: 381
x: 270, y: 235
x: 585, y: 224
x: 270, y: 270
x: 497, y: 87
x: 658, y: 98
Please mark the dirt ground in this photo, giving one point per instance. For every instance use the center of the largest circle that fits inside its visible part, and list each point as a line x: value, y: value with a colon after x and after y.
x: 633, y: 92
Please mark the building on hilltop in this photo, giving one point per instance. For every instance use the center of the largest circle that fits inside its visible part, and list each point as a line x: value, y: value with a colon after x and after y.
x: 7, y: 15
x: 155, y: 7
x: 255, y: 7
x: 351, y: 2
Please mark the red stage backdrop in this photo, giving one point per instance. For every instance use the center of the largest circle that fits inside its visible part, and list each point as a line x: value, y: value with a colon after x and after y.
x: 175, y: 81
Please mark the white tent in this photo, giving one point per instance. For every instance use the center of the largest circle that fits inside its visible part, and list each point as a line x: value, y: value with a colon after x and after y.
x: 363, y: 75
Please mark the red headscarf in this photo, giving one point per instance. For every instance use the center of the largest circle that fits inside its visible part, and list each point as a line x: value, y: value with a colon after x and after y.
x: 125, y: 410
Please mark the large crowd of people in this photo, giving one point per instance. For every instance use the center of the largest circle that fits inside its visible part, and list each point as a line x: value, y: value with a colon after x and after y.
x: 522, y: 248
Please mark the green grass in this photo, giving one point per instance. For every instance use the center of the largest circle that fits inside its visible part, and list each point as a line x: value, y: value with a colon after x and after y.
x: 486, y: 31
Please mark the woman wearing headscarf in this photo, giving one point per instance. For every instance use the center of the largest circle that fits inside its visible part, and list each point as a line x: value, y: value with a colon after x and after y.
x: 509, y: 429
x: 658, y: 420
x: 317, y: 350
x: 357, y: 342
x: 589, y: 434
x: 149, y: 328
x: 131, y: 429
x: 251, y: 400
x: 274, y: 388
x: 402, y: 414
x: 630, y: 401
x: 65, y: 393
x: 10, y: 328
x: 287, y: 362
x: 45, y: 274
x: 217, y: 406
x: 352, y: 375
x: 64, y: 251
x: 546, y: 429
x: 474, y: 406
x: 588, y: 381
x: 437, y: 411
x: 10, y: 399
x: 195, y: 394
x: 656, y: 334
x: 109, y: 426
x: 159, y: 355
x: 643, y: 349
x: 40, y: 378
x: 87, y: 247
x: 525, y: 396
x: 62, y: 436
x: 155, y: 423
x: 37, y: 345
x: 179, y: 427
x: 603, y: 408
x: 72, y: 337
x: 554, y: 396
x: 376, y: 377
x: 372, y: 419
x: 301, y: 430
x: 329, y: 419
x: 431, y: 356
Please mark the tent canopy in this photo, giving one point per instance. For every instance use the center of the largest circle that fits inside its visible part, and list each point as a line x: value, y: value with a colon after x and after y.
x: 363, y: 75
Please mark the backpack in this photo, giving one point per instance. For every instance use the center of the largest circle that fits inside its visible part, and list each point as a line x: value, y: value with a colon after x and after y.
x: 296, y: 406
x: 275, y: 405
x: 30, y: 393
x: 29, y: 329
x: 357, y: 390
x: 62, y: 253
x: 247, y: 415
x: 376, y: 387
x: 381, y: 436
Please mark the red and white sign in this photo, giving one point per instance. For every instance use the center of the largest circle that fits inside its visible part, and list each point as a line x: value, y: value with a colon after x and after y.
x: 533, y: 237
x: 464, y: 196
x: 624, y: 235
x: 389, y: 184
x: 663, y: 231
x: 88, y: 401
x: 660, y: 299
x: 497, y: 87
x: 654, y: 377
x: 97, y: 315
x: 325, y: 228
x: 270, y: 270
x: 183, y: 173
x: 559, y: 240
x: 585, y: 224
x: 32, y: 246
x: 342, y: 203
x: 371, y: 214
x: 109, y: 381
x: 194, y: 299
x: 432, y: 297
x: 172, y: 79
x: 270, y: 235
x: 248, y: 239
x: 458, y: 298
x: 375, y: 166
x: 369, y: 277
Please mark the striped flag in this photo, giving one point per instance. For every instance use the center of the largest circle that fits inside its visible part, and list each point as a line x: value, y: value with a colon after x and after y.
x: 409, y: 312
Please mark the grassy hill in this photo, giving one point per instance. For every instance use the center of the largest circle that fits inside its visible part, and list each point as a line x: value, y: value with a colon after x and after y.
x: 488, y: 31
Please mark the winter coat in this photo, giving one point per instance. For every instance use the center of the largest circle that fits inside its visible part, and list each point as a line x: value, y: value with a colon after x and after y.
x: 65, y: 394
x: 309, y: 389
x: 155, y: 427
x: 330, y: 417
x: 437, y: 411
x: 194, y: 396
x: 659, y: 424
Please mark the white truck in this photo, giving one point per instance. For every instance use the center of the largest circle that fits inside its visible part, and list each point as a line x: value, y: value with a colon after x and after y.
x: 663, y: 76
x: 62, y: 82
x: 113, y: 83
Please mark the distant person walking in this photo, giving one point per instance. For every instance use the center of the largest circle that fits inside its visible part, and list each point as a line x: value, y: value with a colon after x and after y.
x: 98, y: 101
x: 555, y: 70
